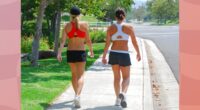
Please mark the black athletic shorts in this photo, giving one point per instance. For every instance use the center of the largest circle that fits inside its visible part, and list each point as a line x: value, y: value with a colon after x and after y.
x: 74, y: 56
x: 121, y: 59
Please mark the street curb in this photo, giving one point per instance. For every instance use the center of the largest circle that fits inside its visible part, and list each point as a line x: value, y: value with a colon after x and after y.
x: 147, y: 93
x: 165, y: 88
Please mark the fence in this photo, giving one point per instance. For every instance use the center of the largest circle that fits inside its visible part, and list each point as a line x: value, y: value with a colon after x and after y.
x: 93, y: 25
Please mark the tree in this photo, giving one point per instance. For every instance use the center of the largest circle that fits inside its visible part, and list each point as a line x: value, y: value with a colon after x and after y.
x: 163, y: 10
x: 35, y: 45
x: 111, y: 5
x: 28, y: 13
x: 139, y: 13
x: 53, y: 17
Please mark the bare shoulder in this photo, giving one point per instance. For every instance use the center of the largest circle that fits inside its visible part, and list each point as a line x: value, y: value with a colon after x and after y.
x: 111, y: 27
x: 83, y: 23
x: 67, y: 25
x: 128, y: 27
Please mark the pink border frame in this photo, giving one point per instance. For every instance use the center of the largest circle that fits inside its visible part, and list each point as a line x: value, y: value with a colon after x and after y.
x: 189, y: 54
x: 10, y: 54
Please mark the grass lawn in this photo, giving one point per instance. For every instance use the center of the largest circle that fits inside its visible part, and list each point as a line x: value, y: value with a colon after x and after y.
x: 41, y: 85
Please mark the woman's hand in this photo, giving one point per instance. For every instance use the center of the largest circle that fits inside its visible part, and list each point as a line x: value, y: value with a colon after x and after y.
x: 91, y: 54
x: 138, y: 57
x: 104, y: 61
x: 59, y: 57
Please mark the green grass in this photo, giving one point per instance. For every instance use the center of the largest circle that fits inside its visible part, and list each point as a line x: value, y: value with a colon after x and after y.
x: 168, y: 22
x: 41, y: 85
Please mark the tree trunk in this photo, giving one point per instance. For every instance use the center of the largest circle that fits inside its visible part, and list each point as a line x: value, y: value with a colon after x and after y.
x: 48, y: 26
x: 57, y: 31
x: 165, y: 21
x: 53, y: 20
x: 38, y: 33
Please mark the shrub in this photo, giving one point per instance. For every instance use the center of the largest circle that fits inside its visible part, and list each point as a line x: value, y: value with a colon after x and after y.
x: 28, y: 28
x: 44, y: 44
x: 98, y: 36
x: 26, y: 44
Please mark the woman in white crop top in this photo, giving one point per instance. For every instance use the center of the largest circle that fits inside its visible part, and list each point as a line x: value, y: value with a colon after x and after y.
x: 119, y: 58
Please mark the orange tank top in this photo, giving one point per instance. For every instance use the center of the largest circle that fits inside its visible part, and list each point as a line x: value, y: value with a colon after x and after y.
x: 75, y: 32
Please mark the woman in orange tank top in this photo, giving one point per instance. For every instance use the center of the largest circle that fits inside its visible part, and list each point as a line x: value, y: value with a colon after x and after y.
x: 77, y: 34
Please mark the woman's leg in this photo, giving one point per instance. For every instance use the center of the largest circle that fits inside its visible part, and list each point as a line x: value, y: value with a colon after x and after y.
x: 74, y: 76
x: 117, y: 78
x: 126, y: 77
x: 80, y: 67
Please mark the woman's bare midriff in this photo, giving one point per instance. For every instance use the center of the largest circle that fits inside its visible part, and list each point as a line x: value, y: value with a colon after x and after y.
x: 120, y: 45
x: 76, y: 43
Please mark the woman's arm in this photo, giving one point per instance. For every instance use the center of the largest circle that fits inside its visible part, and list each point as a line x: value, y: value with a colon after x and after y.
x: 63, y: 40
x: 106, y: 46
x: 88, y: 40
x: 134, y: 42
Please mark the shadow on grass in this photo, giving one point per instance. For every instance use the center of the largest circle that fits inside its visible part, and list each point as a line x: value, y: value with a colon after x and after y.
x: 34, y: 78
x: 55, y: 70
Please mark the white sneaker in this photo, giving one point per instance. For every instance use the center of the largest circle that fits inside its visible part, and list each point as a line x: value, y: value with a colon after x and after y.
x: 118, y: 102
x: 77, y: 103
x: 123, y: 100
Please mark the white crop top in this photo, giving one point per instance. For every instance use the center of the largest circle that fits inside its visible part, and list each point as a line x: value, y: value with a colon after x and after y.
x: 119, y: 35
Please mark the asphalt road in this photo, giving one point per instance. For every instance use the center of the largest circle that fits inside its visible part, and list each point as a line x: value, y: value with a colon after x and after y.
x: 167, y: 40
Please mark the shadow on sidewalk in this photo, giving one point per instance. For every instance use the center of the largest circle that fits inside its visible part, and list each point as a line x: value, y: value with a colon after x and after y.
x: 68, y: 105
x: 105, y: 108
x: 98, y: 66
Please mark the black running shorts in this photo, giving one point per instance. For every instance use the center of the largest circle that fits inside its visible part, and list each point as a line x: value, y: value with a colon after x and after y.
x: 121, y: 59
x: 74, y: 56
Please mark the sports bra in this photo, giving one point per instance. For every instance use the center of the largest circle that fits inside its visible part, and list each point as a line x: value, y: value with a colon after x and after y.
x: 119, y: 35
x: 75, y: 32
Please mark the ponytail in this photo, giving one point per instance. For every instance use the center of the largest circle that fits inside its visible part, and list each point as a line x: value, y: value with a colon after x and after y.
x: 120, y: 14
x: 76, y: 20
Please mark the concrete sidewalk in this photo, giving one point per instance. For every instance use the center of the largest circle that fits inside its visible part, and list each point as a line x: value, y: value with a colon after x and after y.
x: 98, y: 92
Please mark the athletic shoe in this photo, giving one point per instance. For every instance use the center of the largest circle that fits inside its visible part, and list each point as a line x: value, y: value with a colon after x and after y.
x: 123, y: 100
x: 77, y: 103
x: 117, y: 102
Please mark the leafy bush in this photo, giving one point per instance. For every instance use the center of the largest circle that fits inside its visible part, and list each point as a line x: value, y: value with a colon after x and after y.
x: 65, y: 18
x: 26, y: 44
x: 44, y: 44
x: 28, y: 28
x: 173, y: 21
x: 98, y: 36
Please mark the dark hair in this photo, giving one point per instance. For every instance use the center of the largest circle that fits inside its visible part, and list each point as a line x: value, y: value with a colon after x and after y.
x: 120, y: 13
